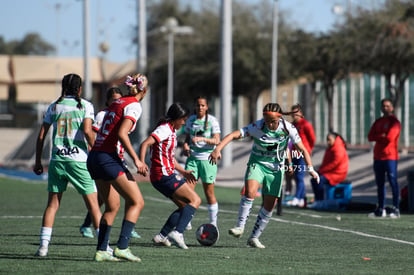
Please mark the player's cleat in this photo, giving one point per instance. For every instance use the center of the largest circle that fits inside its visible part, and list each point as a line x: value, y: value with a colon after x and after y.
x: 189, y: 226
x: 126, y: 254
x: 395, y: 213
x: 236, y: 231
x: 109, y: 249
x: 134, y: 234
x: 254, y: 242
x: 178, y: 239
x: 159, y: 240
x: 86, y: 232
x: 42, y: 251
x: 105, y: 256
x: 378, y: 213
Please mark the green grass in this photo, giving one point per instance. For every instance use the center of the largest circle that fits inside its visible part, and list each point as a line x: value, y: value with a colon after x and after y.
x: 299, y: 242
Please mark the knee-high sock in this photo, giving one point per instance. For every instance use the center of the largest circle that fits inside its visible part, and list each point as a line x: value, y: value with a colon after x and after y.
x: 244, y: 211
x: 103, y: 237
x: 88, y: 220
x: 186, y: 215
x: 261, y: 222
x: 212, y: 213
x: 45, y: 236
x: 171, y: 223
x: 125, y: 235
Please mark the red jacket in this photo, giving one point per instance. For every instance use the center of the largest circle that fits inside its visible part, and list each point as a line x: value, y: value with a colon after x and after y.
x: 306, y: 133
x: 385, y: 132
x: 335, y: 163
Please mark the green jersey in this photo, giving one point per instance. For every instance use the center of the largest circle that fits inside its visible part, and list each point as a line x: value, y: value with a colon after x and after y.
x: 197, y: 128
x: 69, y: 143
x: 269, y: 146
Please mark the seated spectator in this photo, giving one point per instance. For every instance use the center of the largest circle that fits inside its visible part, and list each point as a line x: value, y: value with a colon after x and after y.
x: 334, y: 167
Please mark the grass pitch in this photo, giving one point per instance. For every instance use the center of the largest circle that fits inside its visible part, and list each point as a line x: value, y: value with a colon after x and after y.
x: 299, y: 242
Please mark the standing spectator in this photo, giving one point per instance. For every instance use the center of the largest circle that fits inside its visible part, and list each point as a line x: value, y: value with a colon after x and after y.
x: 112, y: 94
x: 203, y: 134
x: 307, y: 134
x: 71, y: 117
x: 163, y: 142
x: 385, y: 132
x: 334, y: 167
x: 266, y: 166
x: 112, y: 176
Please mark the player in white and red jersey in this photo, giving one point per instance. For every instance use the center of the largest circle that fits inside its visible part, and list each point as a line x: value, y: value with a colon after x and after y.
x: 108, y: 169
x: 163, y: 141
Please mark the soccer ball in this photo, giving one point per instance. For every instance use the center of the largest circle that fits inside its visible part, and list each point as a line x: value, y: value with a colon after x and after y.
x: 207, y: 234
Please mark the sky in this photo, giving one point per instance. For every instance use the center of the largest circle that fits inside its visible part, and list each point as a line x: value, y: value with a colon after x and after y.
x: 59, y: 22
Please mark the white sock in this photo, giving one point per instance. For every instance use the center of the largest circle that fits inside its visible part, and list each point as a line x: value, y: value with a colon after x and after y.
x: 45, y: 236
x: 261, y: 222
x: 244, y: 211
x: 212, y: 213
x: 97, y: 232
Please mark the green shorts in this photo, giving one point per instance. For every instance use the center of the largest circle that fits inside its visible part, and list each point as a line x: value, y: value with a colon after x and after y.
x: 271, y: 180
x: 62, y: 172
x: 202, y: 169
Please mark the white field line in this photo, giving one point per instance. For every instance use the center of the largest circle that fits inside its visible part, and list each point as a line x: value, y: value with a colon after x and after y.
x: 309, y: 224
x: 235, y: 212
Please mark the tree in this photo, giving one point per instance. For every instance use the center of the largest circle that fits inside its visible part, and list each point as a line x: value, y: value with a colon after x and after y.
x: 319, y: 58
x: 31, y: 44
x: 384, y: 43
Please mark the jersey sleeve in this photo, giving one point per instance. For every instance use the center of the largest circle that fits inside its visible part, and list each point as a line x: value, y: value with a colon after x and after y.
x: 293, y: 133
x: 162, y: 132
x: 89, y: 110
x: 133, y: 111
x: 245, y: 131
x: 215, y: 126
x: 97, y: 123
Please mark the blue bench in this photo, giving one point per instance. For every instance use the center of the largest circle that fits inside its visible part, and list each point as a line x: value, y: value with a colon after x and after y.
x: 341, y: 193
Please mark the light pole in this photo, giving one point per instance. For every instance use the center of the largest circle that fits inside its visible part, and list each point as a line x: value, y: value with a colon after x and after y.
x: 171, y: 27
x: 274, y: 51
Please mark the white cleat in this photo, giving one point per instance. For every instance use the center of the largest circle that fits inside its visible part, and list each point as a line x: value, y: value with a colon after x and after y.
x: 178, y: 239
x: 236, y: 232
x: 159, y: 240
x: 254, y: 242
x: 42, y: 251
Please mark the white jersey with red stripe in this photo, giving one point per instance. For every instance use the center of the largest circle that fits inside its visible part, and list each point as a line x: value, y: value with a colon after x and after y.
x: 97, y: 123
x: 107, y: 137
x: 163, y: 151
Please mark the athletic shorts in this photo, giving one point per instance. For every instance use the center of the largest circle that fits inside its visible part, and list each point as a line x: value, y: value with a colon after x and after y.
x: 271, y: 180
x: 106, y: 166
x: 167, y: 185
x: 62, y: 172
x: 202, y: 169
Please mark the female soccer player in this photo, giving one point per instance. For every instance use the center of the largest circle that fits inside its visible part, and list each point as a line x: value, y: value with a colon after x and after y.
x: 203, y: 134
x: 107, y: 168
x: 112, y: 94
x: 71, y: 117
x: 163, y: 142
x: 265, y: 166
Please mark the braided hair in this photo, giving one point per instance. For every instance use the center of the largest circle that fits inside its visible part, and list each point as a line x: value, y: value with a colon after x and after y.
x: 71, y: 84
x: 275, y: 107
